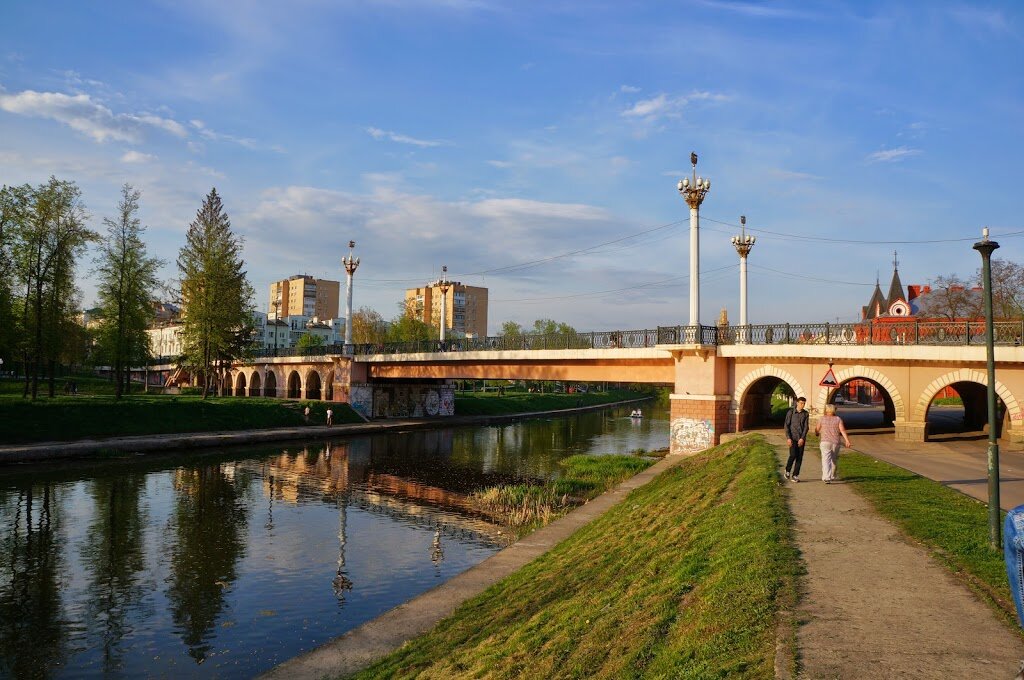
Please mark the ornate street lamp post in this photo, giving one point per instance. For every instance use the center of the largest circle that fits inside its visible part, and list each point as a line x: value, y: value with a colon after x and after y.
x: 985, y: 247
x: 444, y: 285
x: 351, y: 263
x: 743, y: 245
x: 693, y: 192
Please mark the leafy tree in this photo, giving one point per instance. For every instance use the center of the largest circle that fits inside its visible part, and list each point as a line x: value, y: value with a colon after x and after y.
x: 511, y: 329
x: 951, y: 298
x: 551, y: 327
x: 216, y: 297
x: 14, y: 206
x: 1007, y: 289
x: 368, y: 326
x: 407, y: 327
x: 308, y: 341
x: 127, y: 281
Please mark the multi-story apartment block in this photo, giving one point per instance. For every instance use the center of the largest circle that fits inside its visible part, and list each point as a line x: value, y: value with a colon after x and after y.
x: 303, y: 295
x: 465, y: 307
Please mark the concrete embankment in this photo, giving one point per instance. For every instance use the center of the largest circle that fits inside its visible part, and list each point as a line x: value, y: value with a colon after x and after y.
x: 88, y: 448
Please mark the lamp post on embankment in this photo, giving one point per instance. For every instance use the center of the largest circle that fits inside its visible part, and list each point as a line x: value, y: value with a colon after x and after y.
x: 743, y: 244
x: 986, y: 247
x: 443, y: 284
x: 693, y: 192
x: 351, y: 263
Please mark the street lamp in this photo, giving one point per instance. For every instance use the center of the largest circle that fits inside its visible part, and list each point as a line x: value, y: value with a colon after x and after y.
x: 443, y: 284
x: 351, y: 264
x: 693, y: 192
x: 743, y: 245
x: 277, y: 305
x: 985, y: 247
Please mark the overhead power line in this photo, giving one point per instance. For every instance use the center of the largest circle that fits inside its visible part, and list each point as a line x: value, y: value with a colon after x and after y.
x: 823, y: 239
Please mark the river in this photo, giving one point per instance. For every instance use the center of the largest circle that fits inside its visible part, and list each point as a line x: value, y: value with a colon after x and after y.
x: 222, y: 564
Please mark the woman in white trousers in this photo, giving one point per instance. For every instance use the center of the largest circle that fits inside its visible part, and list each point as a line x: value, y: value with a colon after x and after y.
x: 831, y: 430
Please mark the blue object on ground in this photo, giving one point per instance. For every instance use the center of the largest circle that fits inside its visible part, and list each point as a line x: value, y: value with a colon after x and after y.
x: 1013, y: 549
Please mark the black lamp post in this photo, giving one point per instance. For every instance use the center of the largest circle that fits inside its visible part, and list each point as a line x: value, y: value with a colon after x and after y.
x: 985, y: 247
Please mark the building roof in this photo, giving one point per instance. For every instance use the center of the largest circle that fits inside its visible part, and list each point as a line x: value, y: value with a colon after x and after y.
x: 876, y: 306
x: 895, y: 289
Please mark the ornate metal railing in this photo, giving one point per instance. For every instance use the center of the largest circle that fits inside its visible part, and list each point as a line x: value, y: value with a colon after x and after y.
x: 893, y: 333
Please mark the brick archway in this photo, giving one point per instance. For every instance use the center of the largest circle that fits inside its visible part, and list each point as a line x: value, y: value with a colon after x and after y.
x: 967, y: 375
x: 749, y: 380
x: 846, y: 374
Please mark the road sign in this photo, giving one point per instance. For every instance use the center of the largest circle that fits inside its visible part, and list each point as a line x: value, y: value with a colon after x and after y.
x: 830, y: 379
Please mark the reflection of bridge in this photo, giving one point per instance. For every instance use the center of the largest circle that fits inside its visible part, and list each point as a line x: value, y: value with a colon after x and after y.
x: 723, y: 378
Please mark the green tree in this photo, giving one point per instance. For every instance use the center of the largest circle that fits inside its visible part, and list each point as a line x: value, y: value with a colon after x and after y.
x: 14, y: 207
x: 551, y: 327
x: 368, y: 326
x: 127, y: 282
x: 511, y: 329
x: 406, y: 327
x: 308, y: 341
x: 216, y: 297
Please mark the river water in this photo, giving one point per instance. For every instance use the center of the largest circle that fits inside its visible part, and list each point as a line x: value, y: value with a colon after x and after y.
x: 222, y: 564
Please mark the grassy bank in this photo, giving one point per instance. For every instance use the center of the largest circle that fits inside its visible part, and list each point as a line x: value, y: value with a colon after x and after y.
x: 683, y: 578
x: 493, y: 404
x: 525, y: 507
x: 951, y: 525
x: 97, y: 415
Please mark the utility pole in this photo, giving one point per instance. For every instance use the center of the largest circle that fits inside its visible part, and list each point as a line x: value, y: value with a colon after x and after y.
x: 986, y: 247
x: 351, y: 263
x: 743, y: 245
x: 693, y: 192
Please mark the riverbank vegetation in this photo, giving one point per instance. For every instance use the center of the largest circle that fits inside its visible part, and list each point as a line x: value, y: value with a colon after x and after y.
x: 686, y: 577
x: 951, y: 525
x: 505, y: 403
x: 526, y: 507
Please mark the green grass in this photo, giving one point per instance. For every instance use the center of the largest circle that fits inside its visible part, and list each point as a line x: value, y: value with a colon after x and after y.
x: 491, y: 404
x: 684, y: 578
x: 948, y: 401
x: 100, y: 415
x: 525, y: 507
x: 954, y: 527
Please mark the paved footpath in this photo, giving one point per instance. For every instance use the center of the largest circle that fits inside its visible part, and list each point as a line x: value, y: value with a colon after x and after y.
x: 874, y: 605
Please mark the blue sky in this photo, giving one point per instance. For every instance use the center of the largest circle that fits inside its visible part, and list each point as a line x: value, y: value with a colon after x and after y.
x: 483, y: 135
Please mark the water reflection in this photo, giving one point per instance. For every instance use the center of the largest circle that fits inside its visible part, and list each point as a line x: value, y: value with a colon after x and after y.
x: 224, y: 564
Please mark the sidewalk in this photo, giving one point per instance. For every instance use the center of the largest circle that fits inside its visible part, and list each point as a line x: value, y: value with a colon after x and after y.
x: 873, y: 604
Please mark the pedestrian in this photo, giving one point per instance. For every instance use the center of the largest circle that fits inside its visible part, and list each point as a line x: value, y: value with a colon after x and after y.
x: 832, y: 430
x: 330, y: 417
x: 798, y: 421
x: 306, y: 414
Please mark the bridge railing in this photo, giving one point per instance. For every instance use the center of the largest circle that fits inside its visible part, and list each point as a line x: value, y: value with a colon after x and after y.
x: 890, y: 333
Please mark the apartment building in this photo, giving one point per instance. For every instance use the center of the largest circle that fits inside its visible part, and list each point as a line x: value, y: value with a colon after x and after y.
x: 465, y: 308
x: 303, y: 295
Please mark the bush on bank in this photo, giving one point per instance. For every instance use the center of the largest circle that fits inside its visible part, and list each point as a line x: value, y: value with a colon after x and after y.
x: 684, y: 578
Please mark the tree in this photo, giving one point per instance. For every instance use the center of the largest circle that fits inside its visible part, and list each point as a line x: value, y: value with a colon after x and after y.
x: 216, y: 297
x: 406, y: 327
x: 951, y: 298
x: 511, y: 329
x: 552, y: 327
x: 1007, y: 289
x: 127, y: 281
x: 308, y: 341
x: 14, y: 206
x: 368, y: 327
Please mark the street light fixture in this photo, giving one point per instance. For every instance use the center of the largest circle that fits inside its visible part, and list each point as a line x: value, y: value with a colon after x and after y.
x: 743, y: 244
x: 693, y: 192
x: 351, y: 263
x: 986, y: 247
x: 444, y: 284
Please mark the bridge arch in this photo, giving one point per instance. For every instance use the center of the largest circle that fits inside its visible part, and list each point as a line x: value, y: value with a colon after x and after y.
x: 294, y: 386
x: 751, y: 401
x: 255, y: 385
x: 240, y: 384
x: 972, y: 386
x: 312, y: 384
x: 270, y: 387
x: 893, y: 404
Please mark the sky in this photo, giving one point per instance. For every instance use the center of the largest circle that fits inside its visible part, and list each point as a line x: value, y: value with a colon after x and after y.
x: 534, y: 147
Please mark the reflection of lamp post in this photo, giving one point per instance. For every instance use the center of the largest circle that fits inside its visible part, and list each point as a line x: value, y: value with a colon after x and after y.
x: 693, y: 193
x: 743, y: 244
x: 443, y: 284
x: 985, y: 247
x: 350, y: 263
x: 341, y: 580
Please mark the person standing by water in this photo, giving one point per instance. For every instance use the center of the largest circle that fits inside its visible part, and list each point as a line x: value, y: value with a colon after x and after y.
x: 832, y: 430
x: 796, y: 426
x: 330, y: 416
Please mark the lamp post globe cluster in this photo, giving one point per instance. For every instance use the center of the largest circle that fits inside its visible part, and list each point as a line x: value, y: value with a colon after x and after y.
x: 444, y: 284
x: 693, y: 189
x: 743, y: 244
x: 351, y: 263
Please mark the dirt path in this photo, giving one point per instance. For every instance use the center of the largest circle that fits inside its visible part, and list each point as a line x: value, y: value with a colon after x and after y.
x: 876, y: 606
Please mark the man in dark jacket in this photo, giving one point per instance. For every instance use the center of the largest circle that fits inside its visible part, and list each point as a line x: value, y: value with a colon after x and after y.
x: 797, y: 423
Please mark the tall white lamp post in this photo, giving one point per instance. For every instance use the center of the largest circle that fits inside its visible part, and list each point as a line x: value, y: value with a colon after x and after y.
x: 693, y: 191
x: 743, y: 245
x: 351, y: 264
x: 443, y: 284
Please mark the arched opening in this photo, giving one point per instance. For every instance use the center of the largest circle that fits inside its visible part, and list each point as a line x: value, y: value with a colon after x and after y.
x: 224, y: 385
x: 765, y: 403
x: 294, y: 385
x: 270, y: 388
x: 959, y: 411
x: 864, y: 405
x: 240, y: 385
x: 255, y: 387
x: 313, y: 385
x: 329, y: 387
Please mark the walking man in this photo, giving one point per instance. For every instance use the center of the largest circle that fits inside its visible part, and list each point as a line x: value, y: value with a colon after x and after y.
x: 797, y: 424
x: 330, y: 417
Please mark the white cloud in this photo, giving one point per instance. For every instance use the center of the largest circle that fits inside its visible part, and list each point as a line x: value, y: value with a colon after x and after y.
x: 377, y: 133
x: 206, y: 133
x: 664, y: 106
x: 629, y: 89
x: 892, y: 155
x: 83, y: 114
x: 501, y: 164
x: 136, y: 157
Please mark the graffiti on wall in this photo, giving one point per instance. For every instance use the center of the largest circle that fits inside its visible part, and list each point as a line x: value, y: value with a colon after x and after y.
x: 690, y: 434
x: 403, y: 401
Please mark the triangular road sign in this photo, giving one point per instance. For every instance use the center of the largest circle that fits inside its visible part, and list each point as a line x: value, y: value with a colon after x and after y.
x: 830, y: 379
